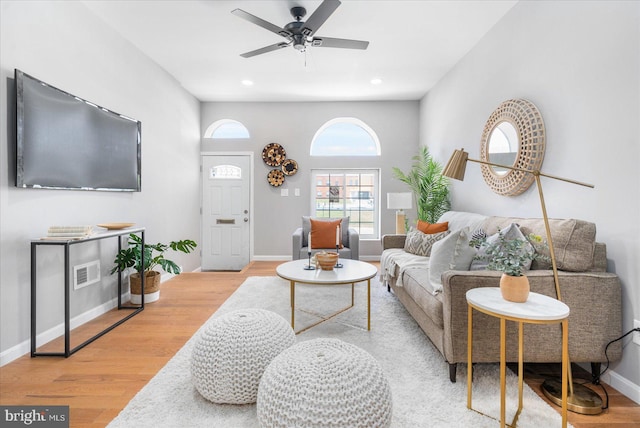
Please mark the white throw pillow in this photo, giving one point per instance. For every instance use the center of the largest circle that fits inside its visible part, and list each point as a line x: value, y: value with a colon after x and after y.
x: 420, y: 244
x: 450, y: 253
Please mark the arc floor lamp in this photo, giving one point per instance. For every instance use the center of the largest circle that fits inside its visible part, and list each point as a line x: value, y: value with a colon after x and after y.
x: 580, y: 398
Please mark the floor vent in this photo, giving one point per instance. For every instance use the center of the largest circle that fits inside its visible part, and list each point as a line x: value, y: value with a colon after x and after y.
x: 86, y: 274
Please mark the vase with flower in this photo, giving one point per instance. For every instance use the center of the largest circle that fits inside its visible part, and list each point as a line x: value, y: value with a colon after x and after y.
x: 512, y: 257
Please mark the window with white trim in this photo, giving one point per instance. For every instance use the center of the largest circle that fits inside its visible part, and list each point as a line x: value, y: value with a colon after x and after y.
x: 348, y: 193
x: 345, y: 136
x: 226, y: 129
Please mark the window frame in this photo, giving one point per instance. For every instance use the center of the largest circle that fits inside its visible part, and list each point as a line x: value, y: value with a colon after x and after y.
x: 346, y: 209
x: 345, y: 120
x: 211, y: 130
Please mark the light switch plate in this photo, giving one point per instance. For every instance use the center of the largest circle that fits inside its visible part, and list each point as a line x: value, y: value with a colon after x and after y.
x: 284, y: 192
x: 296, y: 191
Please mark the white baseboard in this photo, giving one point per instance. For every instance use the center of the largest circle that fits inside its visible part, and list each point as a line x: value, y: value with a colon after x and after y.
x: 271, y: 258
x: 47, y: 336
x: 622, y: 385
x: 24, y: 347
x: 288, y: 258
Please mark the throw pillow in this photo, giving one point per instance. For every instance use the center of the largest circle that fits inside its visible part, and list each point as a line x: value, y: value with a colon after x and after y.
x: 323, y: 233
x: 426, y: 227
x: 420, y: 244
x: 478, y: 236
x: 450, y: 253
x: 512, y: 232
x: 306, y: 229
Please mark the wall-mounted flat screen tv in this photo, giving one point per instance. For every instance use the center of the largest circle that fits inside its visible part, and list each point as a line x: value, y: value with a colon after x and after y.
x: 65, y: 142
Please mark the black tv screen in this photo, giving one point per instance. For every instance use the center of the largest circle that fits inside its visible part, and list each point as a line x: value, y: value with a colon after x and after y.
x: 65, y: 142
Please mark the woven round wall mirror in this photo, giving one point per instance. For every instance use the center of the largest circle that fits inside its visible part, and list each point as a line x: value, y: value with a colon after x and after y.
x: 513, y: 136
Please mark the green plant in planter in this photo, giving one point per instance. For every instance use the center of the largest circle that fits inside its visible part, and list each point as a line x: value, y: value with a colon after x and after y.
x: 510, y: 255
x: 130, y: 257
x: 429, y: 186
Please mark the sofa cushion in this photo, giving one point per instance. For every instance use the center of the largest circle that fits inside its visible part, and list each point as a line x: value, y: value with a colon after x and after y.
x: 420, y: 244
x: 306, y: 228
x: 428, y: 228
x: 417, y: 286
x: 450, y: 253
x: 460, y: 219
x: 573, y: 240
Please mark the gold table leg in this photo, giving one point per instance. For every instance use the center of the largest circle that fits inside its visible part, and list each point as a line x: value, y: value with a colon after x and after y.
x: 469, y: 353
x: 565, y: 369
x: 293, y: 303
x: 503, y: 371
x: 368, y: 303
x: 326, y: 318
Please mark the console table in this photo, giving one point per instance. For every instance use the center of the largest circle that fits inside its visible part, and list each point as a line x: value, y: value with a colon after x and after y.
x: 538, y: 309
x: 66, y: 244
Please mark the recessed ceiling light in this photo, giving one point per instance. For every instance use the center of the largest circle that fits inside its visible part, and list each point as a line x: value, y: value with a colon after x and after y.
x: 247, y: 82
x: 376, y: 81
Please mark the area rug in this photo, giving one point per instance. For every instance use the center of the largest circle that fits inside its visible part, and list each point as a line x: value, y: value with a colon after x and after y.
x: 421, y: 391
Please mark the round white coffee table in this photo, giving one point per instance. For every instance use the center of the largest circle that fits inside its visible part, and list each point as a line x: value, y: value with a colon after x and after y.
x: 353, y: 271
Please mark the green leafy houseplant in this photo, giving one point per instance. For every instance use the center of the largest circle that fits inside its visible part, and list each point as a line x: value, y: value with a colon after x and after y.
x: 429, y: 186
x: 130, y: 257
x: 510, y: 256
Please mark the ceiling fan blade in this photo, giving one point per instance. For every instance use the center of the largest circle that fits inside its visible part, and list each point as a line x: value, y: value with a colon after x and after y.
x: 330, y: 42
x: 319, y: 16
x: 262, y: 23
x: 265, y: 49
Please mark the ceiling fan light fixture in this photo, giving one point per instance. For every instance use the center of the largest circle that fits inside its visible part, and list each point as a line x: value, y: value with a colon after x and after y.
x: 299, y: 33
x: 299, y: 42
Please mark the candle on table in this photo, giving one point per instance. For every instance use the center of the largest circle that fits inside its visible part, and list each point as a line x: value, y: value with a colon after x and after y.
x: 309, y: 239
x: 337, y: 236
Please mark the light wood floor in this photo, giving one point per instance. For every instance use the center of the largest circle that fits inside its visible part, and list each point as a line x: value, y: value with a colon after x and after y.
x: 99, y: 380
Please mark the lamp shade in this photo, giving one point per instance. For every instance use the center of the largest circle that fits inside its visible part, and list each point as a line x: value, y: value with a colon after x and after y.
x: 399, y: 201
x: 456, y: 166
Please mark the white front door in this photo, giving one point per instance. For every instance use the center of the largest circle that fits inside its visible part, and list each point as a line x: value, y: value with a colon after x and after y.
x: 226, y: 199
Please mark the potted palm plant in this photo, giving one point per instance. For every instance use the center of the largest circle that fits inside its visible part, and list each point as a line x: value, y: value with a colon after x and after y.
x: 131, y: 257
x: 511, y: 257
x: 429, y: 186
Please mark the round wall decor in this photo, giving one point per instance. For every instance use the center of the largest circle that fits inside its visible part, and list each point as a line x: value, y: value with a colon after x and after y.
x: 289, y: 167
x: 514, y: 136
x: 275, y: 177
x: 273, y: 154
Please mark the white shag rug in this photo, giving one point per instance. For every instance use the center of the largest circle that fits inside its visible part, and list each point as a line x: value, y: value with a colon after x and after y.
x: 421, y: 391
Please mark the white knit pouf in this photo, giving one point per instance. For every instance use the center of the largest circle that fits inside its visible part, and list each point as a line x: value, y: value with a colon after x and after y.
x: 233, y: 351
x: 324, y: 383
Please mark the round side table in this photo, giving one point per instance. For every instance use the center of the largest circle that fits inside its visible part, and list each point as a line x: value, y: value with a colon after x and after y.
x: 538, y: 309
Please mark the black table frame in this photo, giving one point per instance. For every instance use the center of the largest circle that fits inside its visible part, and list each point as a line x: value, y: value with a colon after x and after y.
x: 68, y: 351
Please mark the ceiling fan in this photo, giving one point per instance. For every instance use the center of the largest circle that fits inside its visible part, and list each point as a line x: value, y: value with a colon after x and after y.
x: 300, y: 33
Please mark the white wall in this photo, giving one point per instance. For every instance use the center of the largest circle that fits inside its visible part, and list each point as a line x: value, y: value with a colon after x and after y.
x: 64, y: 44
x: 293, y: 125
x: 578, y: 61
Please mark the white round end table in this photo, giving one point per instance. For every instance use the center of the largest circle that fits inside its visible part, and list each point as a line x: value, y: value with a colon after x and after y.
x: 538, y: 309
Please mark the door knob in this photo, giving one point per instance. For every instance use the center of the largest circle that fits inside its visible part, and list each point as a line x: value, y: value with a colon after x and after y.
x: 246, y: 219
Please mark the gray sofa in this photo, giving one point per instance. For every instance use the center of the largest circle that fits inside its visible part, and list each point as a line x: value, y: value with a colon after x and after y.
x: 592, y: 294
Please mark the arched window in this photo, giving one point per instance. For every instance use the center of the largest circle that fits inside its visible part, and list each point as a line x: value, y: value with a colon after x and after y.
x: 226, y: 129
x: 345, y: 136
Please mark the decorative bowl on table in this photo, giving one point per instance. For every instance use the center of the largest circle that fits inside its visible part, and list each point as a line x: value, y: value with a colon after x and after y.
x: 326, y: 261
